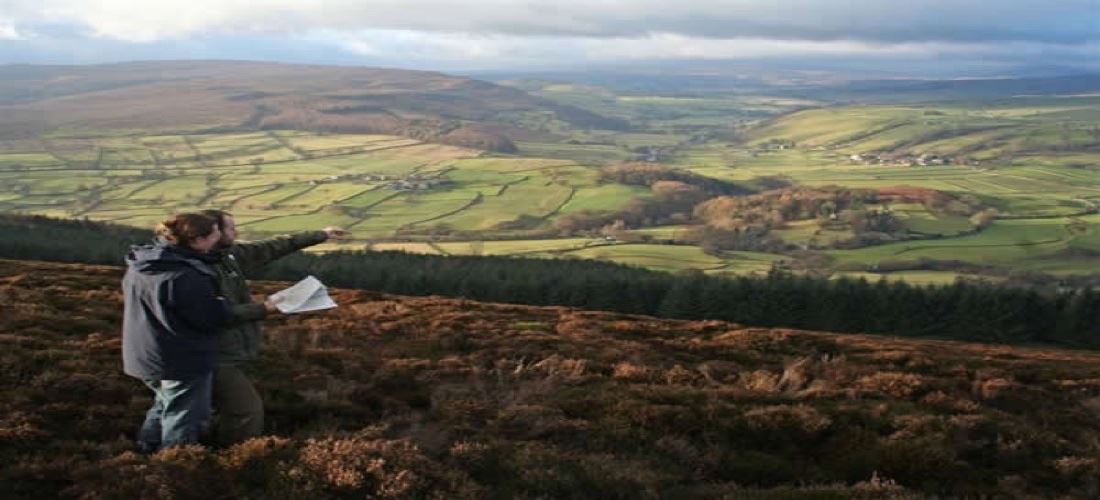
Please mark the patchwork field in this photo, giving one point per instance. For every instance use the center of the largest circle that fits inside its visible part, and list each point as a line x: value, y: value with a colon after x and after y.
x: 281, y: 181
x: 1033, y: 160
x: 997, y: 129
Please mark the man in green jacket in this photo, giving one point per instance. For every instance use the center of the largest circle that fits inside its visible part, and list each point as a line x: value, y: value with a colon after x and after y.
x: 239, y: 407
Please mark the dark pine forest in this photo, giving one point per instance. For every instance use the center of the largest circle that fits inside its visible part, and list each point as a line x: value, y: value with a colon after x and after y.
x: 965, y: 311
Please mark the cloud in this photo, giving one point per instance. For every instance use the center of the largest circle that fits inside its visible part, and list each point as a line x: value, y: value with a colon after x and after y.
x: 8, y: 31
x: 869, y: 21
x: 404, y: 44
x: 463, y: 50
x: 483, y: 34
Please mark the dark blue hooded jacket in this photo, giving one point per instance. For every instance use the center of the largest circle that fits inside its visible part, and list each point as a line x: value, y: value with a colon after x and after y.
x: 173, y: 313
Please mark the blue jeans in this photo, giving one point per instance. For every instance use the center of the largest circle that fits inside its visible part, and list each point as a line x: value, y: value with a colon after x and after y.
x: 181, y: 408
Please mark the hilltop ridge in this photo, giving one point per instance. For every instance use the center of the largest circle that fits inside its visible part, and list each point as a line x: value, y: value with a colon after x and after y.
x: 241, y: 95
x: 395, y: 397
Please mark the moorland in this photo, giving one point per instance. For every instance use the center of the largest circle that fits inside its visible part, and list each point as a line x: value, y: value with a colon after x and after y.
x: 399, y: 397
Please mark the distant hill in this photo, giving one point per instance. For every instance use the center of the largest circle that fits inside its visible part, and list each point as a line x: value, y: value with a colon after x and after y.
x: 852, y: 85
x: 236, y: 95
x: 1037, y: 126
x: 398, y: 397
x: 970, y: 89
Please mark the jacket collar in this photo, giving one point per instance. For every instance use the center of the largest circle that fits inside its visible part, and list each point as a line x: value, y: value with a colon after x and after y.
x: 161, y: 256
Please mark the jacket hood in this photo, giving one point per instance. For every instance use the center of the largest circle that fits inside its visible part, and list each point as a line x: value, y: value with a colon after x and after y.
x: 160, y: 257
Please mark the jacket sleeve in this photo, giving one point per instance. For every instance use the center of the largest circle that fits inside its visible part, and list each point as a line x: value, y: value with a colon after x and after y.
x: 245, y: 313
x: 195, y: 301
x: 254, y: 254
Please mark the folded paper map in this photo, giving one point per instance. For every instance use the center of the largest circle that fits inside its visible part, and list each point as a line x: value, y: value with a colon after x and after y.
x: 306, y: 295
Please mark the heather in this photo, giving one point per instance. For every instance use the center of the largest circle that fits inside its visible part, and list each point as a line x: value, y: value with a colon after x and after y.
x: 429, y: 397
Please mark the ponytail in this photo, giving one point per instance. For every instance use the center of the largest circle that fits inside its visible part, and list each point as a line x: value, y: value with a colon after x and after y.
x: 182, y: 229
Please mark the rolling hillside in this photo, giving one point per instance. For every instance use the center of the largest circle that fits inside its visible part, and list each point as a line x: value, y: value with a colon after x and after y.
x: 1004, y: 130
x: 286, y: 147
x: 237, y: 95
x: 398, y: 397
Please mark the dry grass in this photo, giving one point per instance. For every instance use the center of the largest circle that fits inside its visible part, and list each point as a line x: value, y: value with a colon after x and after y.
x: 428, y: 397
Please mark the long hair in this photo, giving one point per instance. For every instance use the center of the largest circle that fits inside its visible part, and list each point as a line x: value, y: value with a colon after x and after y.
x: 182, y: 229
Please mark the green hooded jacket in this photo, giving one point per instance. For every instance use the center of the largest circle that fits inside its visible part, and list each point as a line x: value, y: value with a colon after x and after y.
x: 240, y: 340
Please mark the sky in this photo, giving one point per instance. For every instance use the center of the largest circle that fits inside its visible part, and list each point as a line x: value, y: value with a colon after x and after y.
x: 906, y: 37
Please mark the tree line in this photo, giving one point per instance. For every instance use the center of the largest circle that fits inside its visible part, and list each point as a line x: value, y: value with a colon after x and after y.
x: 963, y: 311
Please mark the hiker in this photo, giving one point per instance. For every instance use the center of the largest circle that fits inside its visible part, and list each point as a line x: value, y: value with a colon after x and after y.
x: 173, y: 315
x: 239, y: 407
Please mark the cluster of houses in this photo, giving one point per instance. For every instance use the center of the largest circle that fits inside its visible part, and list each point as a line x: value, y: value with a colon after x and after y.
x: 415, y: 182
x: 351, y: 177
x: 653, y: 154
x: 909, y: 160
x: 776, y: 145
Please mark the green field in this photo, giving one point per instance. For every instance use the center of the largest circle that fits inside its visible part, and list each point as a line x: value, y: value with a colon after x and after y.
x: 1035, y: 160
x: 584, y: 153
x: 518, y: 247
x: 285, y: 180
x: 603, y: 197
x: 1006, y: 128
x: 1023, y: 243
x: 676, y: 258
x: 1017, y: 190
x: 810, y: 234
x: 912, y: 277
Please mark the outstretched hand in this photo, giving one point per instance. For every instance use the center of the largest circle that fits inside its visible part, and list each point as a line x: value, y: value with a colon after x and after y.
x: 336, y: 233
x: 272, y: 304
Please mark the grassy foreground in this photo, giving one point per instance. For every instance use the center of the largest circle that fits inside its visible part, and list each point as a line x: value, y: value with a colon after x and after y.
x: 396, y: 397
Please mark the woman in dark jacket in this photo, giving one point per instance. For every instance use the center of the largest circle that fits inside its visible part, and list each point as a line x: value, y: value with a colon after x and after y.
x: 173, y: 315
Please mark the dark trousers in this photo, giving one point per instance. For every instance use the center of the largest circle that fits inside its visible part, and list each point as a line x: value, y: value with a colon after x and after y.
x: 239, y: 407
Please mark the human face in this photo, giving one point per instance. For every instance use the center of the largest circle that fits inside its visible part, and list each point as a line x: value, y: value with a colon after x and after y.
x: 229, y: 231
x: 206, y: 243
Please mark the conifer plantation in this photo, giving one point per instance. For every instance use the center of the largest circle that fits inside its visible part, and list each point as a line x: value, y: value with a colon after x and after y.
x: 973, y: 312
